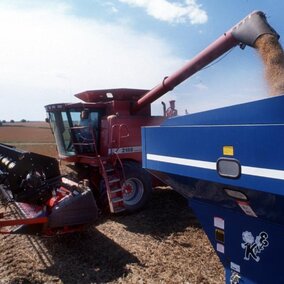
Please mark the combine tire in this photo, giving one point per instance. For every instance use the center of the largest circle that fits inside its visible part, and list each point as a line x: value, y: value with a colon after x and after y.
x: 137, y: 186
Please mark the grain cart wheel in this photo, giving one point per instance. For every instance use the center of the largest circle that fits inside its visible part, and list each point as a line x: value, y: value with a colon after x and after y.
x: 137, y: 187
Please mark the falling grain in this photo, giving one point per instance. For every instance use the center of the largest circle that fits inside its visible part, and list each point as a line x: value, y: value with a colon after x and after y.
x: 272, y: 56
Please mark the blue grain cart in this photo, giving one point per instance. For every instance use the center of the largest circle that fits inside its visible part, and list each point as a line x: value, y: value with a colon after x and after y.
x: 228, y: 162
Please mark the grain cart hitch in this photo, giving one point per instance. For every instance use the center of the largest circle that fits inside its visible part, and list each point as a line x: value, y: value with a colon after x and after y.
x: 43, y: 201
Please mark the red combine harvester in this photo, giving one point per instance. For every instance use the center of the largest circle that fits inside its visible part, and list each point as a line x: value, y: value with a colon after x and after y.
x: 101, y: 136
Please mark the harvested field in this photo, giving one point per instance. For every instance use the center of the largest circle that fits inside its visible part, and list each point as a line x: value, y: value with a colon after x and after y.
x: 161, y: 244
x: 30, y: 132
x: 29, y: 136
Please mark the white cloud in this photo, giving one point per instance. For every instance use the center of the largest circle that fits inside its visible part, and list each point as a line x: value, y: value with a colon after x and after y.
x: 110, y: 7
x: 200, y: 86
x: 47, y: 54
x: 172, y: 12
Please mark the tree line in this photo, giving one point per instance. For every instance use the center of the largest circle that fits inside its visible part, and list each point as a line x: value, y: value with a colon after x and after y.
x: 11, y: 121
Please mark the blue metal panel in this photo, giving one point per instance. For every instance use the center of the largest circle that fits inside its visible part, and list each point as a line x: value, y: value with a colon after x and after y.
x: 259, y: 147
x: 265, y: 111
x: 184, y: 152
x: 255, y: 262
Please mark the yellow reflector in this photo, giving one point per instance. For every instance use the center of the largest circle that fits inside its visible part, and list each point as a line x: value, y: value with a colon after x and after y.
x: 228, y: 150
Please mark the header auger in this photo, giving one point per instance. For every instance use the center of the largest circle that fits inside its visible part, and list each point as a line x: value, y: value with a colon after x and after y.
x: 47, y: 202
x: 101, y: 136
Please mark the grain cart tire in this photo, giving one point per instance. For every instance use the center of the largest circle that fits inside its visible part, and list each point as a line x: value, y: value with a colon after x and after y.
x: 137, y: 186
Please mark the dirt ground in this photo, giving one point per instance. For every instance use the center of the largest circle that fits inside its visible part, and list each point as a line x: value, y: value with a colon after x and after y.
x: 164, y: 243
x: 161, y: 244
x: 29, y: 132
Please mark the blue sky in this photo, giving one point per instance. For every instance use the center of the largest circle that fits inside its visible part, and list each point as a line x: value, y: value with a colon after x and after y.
x: 51, y: 50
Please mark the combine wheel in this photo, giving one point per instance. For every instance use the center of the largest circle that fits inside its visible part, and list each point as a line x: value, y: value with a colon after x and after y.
x: 137, y: 187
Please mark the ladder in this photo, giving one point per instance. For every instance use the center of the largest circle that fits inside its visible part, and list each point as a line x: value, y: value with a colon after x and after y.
x: 113, y: 186
x: 110, y: 175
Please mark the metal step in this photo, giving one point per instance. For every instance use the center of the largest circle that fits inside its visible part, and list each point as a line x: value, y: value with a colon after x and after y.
x: 117, y: 199
x: 114, y: 180
x: 116, y: 190
x: 118, y: 209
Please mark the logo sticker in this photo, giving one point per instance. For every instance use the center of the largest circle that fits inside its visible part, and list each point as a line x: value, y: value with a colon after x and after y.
x: 254, y: 246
